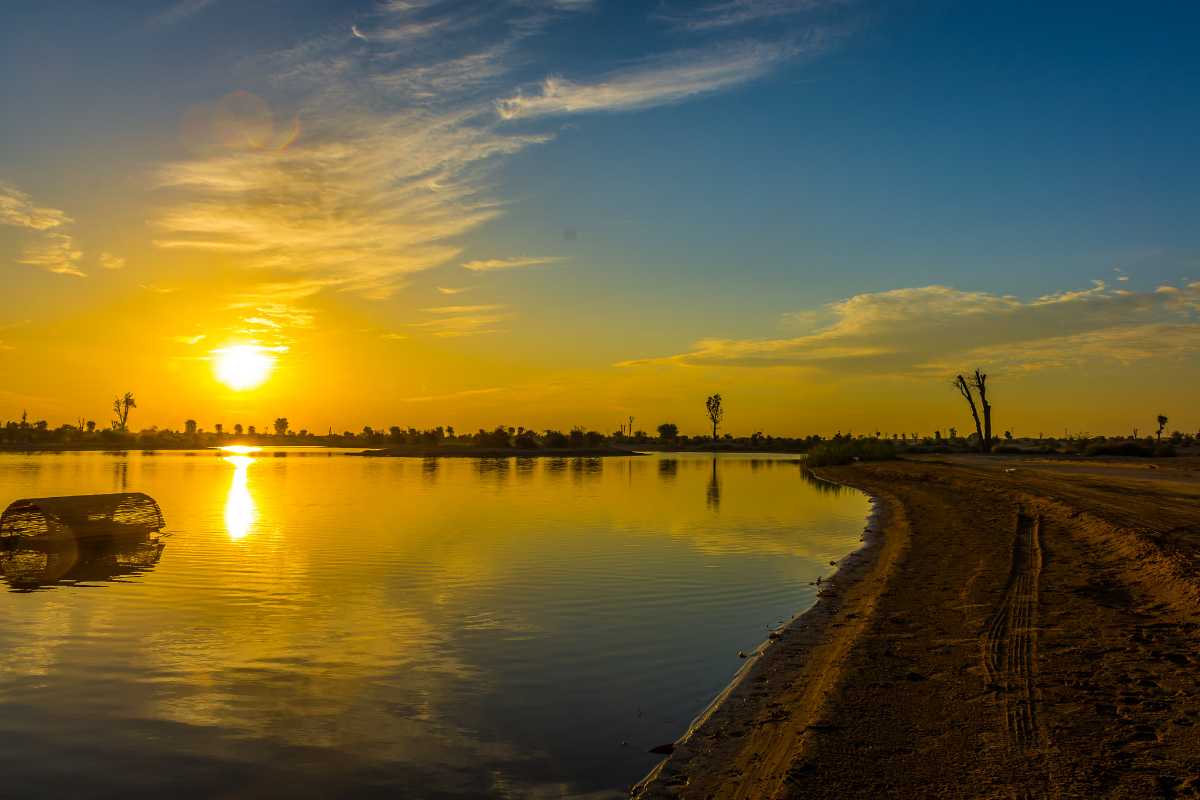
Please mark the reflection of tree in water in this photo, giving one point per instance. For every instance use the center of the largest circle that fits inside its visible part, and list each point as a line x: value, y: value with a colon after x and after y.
x: 668, y: 468
x: 121, y: 474
x: 586, y: 469
x: 822, y: 486
x: 713, y: 498
x: 429, y: 470
x: 496, y: 468
x: 76, y: 540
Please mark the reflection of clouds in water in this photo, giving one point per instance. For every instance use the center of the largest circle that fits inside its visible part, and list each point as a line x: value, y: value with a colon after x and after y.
x: 394, y: 628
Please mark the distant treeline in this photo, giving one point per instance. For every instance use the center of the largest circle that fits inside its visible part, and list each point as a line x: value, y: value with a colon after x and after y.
x: 838, y: 448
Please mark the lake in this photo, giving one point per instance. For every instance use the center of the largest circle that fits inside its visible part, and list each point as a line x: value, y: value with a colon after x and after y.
x: 316, y: 625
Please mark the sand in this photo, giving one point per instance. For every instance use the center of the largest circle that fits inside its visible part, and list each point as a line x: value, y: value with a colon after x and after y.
x: 1011, y: 629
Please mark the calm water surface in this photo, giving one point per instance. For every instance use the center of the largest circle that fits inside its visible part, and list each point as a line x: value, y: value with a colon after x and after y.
x: 319, y: 625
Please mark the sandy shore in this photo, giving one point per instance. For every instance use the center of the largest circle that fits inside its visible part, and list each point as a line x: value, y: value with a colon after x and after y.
x: 1011, y: 629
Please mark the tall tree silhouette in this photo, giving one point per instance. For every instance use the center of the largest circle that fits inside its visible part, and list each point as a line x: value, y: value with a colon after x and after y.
x: 964, y: 388
x: 121, y: 407
x: 1162, y: 424
x: 979, y: 381
x: 716, y: 412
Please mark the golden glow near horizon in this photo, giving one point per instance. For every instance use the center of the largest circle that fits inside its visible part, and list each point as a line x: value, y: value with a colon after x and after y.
x: 243, y: 366
x: 240, y: 509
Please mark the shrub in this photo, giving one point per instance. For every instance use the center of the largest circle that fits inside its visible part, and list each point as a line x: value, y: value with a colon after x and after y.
x: 846, y: 450
x: 1137, y: 449
x: 556, y: 439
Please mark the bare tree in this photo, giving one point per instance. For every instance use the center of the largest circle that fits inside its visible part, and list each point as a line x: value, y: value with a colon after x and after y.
x: 964, y: 388
x: 715, y: 412
x: 121, y: 407
x: 1162, y: 424
x: 979, y: 381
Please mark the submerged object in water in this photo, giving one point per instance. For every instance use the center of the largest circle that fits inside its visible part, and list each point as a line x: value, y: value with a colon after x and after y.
x: 82, y: 538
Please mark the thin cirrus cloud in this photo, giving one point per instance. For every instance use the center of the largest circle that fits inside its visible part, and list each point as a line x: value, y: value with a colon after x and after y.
x: 46, y: 245
x: 389, y: 152
x: 456, y: 321
x: 939, y: 330
x: 493, y: 264
x: 462, y: 309
x: 734, y: 13
x: 658, y: 81
x: 110, y: 261
x: 178, y: 11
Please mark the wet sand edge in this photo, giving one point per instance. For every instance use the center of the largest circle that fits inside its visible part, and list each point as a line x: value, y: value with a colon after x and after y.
x: 795, y: 667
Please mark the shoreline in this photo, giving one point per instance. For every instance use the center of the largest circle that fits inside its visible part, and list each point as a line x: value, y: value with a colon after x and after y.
x: 945, y: 655
x: 775, y: 659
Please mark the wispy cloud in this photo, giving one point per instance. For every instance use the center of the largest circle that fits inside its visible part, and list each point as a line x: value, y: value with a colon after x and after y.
x: 365, y: 192
x: 109, y: 261
x: 464, y: 321
x: 733, y: 13
x: 937, y: 329
x: 18, y: 209
x: 658, y: 81
x: 462, y: 309
x: 47, y: 246
x: 452, y: 290
x: 428, y: 398
x: 388, y: 152
x: 490, y: 264
x: 179, y: 11
x: 54, y: 252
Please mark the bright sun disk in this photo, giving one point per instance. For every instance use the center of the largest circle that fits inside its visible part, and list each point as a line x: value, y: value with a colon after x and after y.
x: 243, y: 366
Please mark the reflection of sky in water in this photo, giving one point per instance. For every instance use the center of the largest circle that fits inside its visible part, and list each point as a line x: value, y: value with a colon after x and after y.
x: 319, y: 624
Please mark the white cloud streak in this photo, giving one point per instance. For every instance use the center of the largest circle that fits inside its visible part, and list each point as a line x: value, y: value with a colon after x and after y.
x: 493, y: 264
x: 659, y: 81
x: 937, y: 329
x: 388, y: 153
x: 47, y: 246
x: 110, y: 261
x: 733, y: 13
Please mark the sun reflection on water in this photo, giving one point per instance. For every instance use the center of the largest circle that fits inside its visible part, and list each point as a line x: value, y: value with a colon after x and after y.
x: 240, y: 510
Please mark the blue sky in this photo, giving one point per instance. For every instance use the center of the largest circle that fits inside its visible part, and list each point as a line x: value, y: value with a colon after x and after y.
x: 644, y: 176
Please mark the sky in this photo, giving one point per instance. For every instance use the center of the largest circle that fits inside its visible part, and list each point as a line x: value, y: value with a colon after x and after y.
x: 569, y: 212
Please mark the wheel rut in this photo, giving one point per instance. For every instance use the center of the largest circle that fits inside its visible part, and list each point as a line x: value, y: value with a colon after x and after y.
x: 1009, y: 643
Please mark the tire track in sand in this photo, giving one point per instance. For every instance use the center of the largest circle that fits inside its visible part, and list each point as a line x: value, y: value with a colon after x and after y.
x: 1009, y: 641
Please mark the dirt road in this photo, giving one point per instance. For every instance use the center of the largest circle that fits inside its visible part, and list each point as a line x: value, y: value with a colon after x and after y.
x: 1017, y: 629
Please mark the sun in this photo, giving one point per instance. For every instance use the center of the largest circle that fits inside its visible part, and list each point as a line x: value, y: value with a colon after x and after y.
x: 243, y: 366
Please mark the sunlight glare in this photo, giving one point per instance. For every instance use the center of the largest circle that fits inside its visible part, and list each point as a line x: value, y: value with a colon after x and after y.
x: 240, y: 449
x: 243, y: 366
x: 240, y: 510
